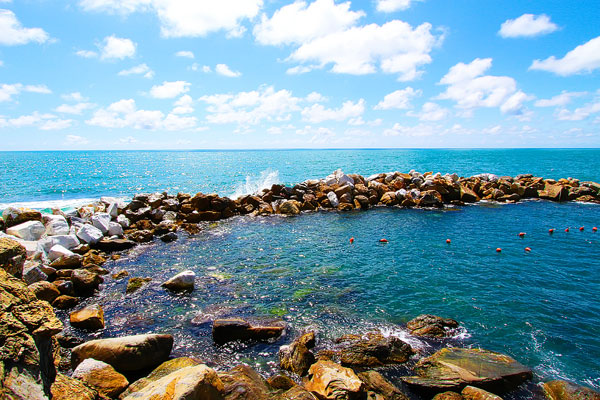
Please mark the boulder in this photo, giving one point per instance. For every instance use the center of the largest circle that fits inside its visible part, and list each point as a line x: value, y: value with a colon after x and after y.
x: 333, y: 199
x: 431, y: 326
x: 89, y: 234
x: 101, y: 376
x: 113, y: 210
x: 85, y: 282
x: 90, y: 317
x: 467, y: 195
x: 129, y: 353
x: 373, y: 350
x: 57, y: 251
x: 56, y: 225
x: 15, y: 216
x: 164, y: 369
x: 297, y: 357
x: 30, y: 230
x: 67, y: 262
x: 135, y: 283
x: 45, y: 290
x: 183, y: 281
x: 448, y: 396
x: 123, y: 221
x: 563, y: 390
x: 111, y: 245
x: 430, y: 198
x: 67, y: 241
x: 455, y: 368
x: 115, y: 229
x: 281, y: 382
x: 379, y: 388
x: 67, y: 388
x: 242, y: 382
x: 12, y: 257
x: 64, y: 302
x: 33, y: 274
x: 290, y: 207
x: 297, y: 393
x: 143, y: 236
x: 474, y: 393
x: 102, y: 222
x: 331, y: 381
x: 169, y: 237
x: 229, y: 330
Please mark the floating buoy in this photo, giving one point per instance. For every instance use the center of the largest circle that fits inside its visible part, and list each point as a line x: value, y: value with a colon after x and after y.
x: 551, y: 230
x: 498, y: 250
x: 351, y: 240
x: 527, y: 249
x: 594, y: 229
x: 521, y: 234
x: 448, y: 241
x: 581, y: 229
x: 567, y: 230
x: 383, y: 240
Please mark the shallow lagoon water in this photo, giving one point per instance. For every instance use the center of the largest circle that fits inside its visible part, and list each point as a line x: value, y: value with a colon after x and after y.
x: 540, y: 307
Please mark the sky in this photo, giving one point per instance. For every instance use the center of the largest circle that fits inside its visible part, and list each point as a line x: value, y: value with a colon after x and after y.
x: 261, y: 74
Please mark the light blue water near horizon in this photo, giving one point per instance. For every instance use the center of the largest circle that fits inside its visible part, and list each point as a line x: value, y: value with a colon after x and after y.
x: 540, y: 307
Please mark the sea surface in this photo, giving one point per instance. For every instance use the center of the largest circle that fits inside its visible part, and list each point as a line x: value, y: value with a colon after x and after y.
x: 541, y: 307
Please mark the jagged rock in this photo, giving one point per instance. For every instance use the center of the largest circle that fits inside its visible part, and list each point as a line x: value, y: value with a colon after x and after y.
x: 297, y: 357
x: 554, y: 192
x: 120, y: 275
x: 563, y: 390
x: 135, y: 284
x: 143, y: 236
x: 467, y: 195
x: 57, y: 251
x: 431, y: 326
x: 89, y: 234
x: 159, y: 372
x: 56, y: 225
x: 101, y: 376
x: 297, y: 393
x: 331, y: 381
x: 333, y: 199
x: 455, y: 368
x: 85, y: 282
x: 129, y: 353
x: 110, y: 245
x: 12, y: 257
x: 473, y: 393
x: 67, y: 241
x: 430, y: 198
x: 374, y: 349
x: 64, y: 302
x: 123, y: 221
x: 67, y: 388
x: 242, y: 382
x: 16, y: 216
x: 290, y: 207
x: 115, y: 229
x: 44, y: 290
x: 90, y: 317
x: 229, y: 330
x: 92, y: 257
x: 33, y: 274
x: 379, y: 388
x: 67, y: 262
x: 183, y: 281
x: 30, y: 230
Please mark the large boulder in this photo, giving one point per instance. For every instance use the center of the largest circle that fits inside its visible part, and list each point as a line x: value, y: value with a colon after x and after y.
x: 563, y: 390
x: 290, y: 207
x: 431, y: 326
x: 297, y: 357
x: 56, y: 225
x: 373, y: 350
x: 110, y: 245
x: 455, y: 368
x: 183, y: 281
x: 45, y: 290
x: 14, y: 216
x: 379, y: 388
x: 89, y: 234
x: 12, y: 257
x: 554, y: 192
x: 331, y: 381
x: 30, y: 230
x: 164, y: 369
x: 101, y: 376
x: 102, y: 222
x: 90, y: 317
x: 67, y: 261
x: 229, y: 330
x: 85, y: 282
x: 58, y: 251
x: 467, y: 195
x: 129, y: 353
x: 67, y: 388
x: 242, y: 382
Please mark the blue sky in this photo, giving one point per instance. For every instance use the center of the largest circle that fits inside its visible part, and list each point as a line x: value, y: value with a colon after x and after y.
x: 184, y: 74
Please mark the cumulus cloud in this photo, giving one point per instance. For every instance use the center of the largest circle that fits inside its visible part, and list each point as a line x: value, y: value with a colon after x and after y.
x: 76, y: 109
x: 185, y: 54
x: 415, y: 131
x: 318, y: 113
x: 393, y: 5
x: 124, y: 114
x: 169, y: 90
x: 141, y: 69
x: 470, y: 88
x: 527, y: 25
x: 319, y: 134
x: 44, y: 122
x: 399, y: 99
x: 74, y: 96
x: 7, y: 91
x: 12, y: 33
x: 579, y: 113
x: 223, y: 69
x: 559, y: 100
x: 583, y: 58
x: 87, y: 53
x: 300, y: 22
x: 430, y: 112
x: 184, y: 105
x: 184, y: 18
x: 75, y: 140
x: 111, y: 48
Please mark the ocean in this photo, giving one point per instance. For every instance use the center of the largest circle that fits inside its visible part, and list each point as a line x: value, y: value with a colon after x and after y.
x: 540, y: 307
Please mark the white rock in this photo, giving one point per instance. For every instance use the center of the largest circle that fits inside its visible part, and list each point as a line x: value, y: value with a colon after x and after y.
x: 113, y: 210
x: 89, y: 234
x: 333, y: 199
x: 123, y: 221
x: 87, y: 366
x: 115, y: 229
x: 346, y: 180
x: 372, y: 177
x: 101, y: 221
x: 10, y: 211
x: 401, y: 194
x: 34, y: 274
x: 30, y: 230
x: 66, y: 241
x: 58, y: 251
x: 56, y: 225
x: 182, y: 281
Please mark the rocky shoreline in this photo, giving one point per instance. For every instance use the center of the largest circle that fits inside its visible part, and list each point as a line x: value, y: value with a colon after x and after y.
x: 54, y: 260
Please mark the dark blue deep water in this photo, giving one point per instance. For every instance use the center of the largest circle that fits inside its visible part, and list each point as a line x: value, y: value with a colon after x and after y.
x: 541, y: 307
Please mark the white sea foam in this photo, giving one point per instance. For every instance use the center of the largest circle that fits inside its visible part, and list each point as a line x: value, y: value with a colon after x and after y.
x: 62, y: 204
x: 255, y: 184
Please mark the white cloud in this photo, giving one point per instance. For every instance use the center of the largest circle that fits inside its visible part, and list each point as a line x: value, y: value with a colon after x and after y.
x: 319, y: 135
x: 579, y: 113
x: 42, y: 121
x: 124, y: 114
x: 206, y: 69
x: 559, y: 100
x: 393, y: 5
x: 395, y: 46
x: 184, y: 18
x: 317, y: 113
x: 141, y: 69
x: 168, y: 90
x: 430, y: 112
x: 87, y: 53
x: 527, y: 25
x: 300, y: 22
x: 185, y: 54
x: 128, y: 140
x: 76, y: 109
x: 184, y: 105
x: 223, y: 69
x: 399, y: 99
x: 251, y: 108
x: 56, y: 124
x: 1, y: 63
x: 583, y: 58
x: 470, y: 89
x: 414, y: 131
x: 7, y: 91
x: 117, y: 48
x: 75, y: 96
x: 75, y: 140
x: 12, y: 33
x: 300, y: 69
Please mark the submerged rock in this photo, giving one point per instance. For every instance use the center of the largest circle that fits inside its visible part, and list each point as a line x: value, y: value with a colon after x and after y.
x: 431, y: 326
x: 101, y: 376
x: 563, y: 390
x: 229, y: 330
x: 331, y: 381
x: 135, y: 283
x: 183, y: 281
x: 373, y: 349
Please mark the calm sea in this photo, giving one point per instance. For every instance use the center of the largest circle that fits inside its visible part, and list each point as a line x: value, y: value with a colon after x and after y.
x: 541, y: 307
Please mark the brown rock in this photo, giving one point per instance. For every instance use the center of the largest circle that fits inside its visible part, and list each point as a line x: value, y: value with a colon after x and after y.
x: 297, y: 393
x: 101, y: 376
x: 93, y: 257
x: 467, y: 195
x: 331, y: 381
x: 431, y: 326
x: 143, y: 236
x: 228, y: 330
x: 296, y: 357
x: 290, y: 207
x: 120, y: 275
x: 448, y: 396
x: 44, y: 290
x: 110, y: 245
x: 379, y: 388
x: 21, y: 215
x: 389, y: 199
x: 563, y: 390
x: 281, y: 382
x: 473, y: 393
x: 67, y: 262
x: 554, y: 192
x: 374, y: 350
x: 242, y: 382
x: 12, y: 256
x: 90, y: 317
x: 164, y: 369
x: 85, y: 282
x: 64, y: 302
x: 135, y: 283
x: 67, y: 388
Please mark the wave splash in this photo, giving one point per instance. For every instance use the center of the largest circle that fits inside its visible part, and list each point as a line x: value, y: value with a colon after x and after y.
x: 255, y: 184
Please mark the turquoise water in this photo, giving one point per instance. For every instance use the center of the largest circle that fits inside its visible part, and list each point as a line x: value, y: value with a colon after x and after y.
x: 540, y: 307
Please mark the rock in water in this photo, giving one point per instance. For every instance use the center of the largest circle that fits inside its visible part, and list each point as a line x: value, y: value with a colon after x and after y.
x: 242, y: 382
x: 135, y: 283
x: 184, y: 281
x: 12, y: 257
x: 101, y: 376
x: 229, y: 330
x: 455, y: 368
x: 159, y: 372
x: 448, y: 396
x: 90, y: 317
x: 296, y: 357
x: 331, y: 381
x: 562, y: 390
x: 290, y: 207
x: 129, y: 353
x: 431, y: 326
x: 378, y: 387
x: 373, y: 350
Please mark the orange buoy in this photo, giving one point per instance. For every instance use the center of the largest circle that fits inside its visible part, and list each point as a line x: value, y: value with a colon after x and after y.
x: 383, y: 240
x: 498, y: 250
x: 521, y: 234
x: 448, y: 241
x: 581, y: 229
x: 594, y: 229
x: 527, y: 248
x: 551, y: 230
x: 567, y: 230
x: 351, y: 240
